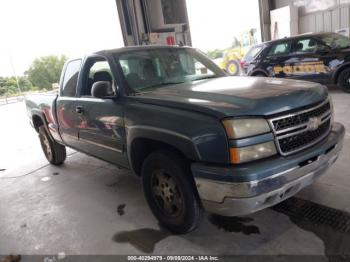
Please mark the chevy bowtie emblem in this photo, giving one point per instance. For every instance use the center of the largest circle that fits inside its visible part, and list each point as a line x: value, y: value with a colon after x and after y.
x: 314, y: 123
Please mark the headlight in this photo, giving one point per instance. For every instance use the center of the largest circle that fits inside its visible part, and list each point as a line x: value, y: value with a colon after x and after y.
x: 250, y: 153
x: 239, y: 128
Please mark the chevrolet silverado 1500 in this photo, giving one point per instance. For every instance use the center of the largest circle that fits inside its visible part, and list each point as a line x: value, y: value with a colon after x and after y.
x: 200, y: 140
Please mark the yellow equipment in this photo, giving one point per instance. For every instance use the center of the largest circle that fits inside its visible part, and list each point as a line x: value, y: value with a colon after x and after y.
x: 232, y: 57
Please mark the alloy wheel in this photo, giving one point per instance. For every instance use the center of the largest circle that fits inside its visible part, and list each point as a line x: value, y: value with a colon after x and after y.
x: 166, y: 193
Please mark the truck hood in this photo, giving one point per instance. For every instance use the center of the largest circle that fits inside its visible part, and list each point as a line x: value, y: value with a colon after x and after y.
x: 237, y: 96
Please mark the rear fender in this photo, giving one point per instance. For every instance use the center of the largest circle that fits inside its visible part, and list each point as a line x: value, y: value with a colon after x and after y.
x: 38, y: 113
x: 52, y: 132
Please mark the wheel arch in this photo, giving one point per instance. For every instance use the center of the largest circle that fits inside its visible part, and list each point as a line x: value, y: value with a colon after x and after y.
x: 258, y: 71
x: 338, y: 72
x: 37, y: 122
x: 39, y: 119
x: 144, y: 140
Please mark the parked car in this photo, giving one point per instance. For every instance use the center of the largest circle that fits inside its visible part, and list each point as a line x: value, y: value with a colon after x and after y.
x: 322, y: 58
x: 199, y: 140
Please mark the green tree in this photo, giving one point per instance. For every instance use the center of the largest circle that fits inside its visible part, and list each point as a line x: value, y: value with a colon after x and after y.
x: 8, y: 85
x: 44, y: 71
x: 24, y: 84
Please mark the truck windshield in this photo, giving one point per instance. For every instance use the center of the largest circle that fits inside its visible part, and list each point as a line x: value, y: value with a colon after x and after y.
x: 154, y: 68
x: 336, y: 41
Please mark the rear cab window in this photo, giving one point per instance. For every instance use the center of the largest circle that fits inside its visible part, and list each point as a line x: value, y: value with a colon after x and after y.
x: 70, y: 78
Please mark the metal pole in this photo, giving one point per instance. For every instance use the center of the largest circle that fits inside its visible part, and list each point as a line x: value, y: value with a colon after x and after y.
x: 264, y: 10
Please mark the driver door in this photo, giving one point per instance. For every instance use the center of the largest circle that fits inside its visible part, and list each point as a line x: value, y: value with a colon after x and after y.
x: 101, y: 125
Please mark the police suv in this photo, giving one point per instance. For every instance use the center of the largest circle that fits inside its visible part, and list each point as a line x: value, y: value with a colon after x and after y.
x: 322, y: 58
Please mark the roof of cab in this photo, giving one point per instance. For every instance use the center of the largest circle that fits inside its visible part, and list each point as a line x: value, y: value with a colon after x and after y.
x: 298, y: 36
x: 135, y: 48
x: 126, y: 49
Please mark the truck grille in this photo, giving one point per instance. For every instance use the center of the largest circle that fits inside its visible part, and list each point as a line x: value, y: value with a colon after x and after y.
x: 299, y: 130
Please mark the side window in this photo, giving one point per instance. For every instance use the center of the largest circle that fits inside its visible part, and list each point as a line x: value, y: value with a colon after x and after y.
x: 98, y: 67
x: 307, y: 45
x: 70, y: 78
x: 99, y: 70
x: 280, y: 49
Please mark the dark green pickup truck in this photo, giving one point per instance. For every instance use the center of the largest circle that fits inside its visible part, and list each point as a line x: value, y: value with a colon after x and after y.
x: 199, y: 139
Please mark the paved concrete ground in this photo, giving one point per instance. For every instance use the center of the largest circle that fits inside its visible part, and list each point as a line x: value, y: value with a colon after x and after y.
x: 90, y: 207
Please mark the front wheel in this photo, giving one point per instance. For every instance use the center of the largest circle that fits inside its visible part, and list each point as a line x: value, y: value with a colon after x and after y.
x: 170, y: 191
x: 344, y: 80
x: 54, y: 152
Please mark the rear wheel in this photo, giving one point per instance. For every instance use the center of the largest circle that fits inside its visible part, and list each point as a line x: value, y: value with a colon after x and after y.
x: 170, y: 191
x: 232, y: 68
x: 54, y: 152
x: 344, y: 80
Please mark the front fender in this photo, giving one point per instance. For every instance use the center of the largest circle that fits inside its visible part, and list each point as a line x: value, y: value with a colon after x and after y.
x: 174, y: 139
x: 199, y: 137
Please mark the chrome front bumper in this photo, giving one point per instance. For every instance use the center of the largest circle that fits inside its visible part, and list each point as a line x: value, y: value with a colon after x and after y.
x: 241, y: 198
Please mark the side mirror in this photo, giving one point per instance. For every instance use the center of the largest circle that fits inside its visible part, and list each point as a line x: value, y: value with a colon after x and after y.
x: 102, y: 89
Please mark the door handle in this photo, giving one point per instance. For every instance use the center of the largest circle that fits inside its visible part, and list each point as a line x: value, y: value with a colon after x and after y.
x: 79, y: 109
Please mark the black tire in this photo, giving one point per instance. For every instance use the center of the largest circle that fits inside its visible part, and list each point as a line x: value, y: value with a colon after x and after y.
x: 170, y: 191
x: 233, y: 64
x: 344, y: 80
x: 54, y: 152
